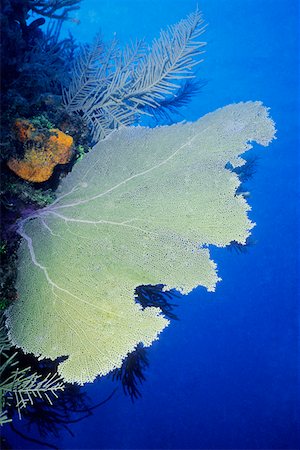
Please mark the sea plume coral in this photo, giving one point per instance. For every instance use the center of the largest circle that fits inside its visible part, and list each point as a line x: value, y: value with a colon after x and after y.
x: 21, y: 387
x: 139, y: 209
x: 110, y: 88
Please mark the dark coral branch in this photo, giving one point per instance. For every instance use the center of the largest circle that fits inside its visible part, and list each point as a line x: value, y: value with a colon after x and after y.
x: 155, y: 296
x: 31, y: 439
x: 239, y: 248
x: 169, y: 106
x: 131, y: 373
x: 54, y: 9
x: 72, y: 406
x: 246, y: 172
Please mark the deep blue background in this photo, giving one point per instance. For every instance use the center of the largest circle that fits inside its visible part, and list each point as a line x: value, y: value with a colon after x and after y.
x: 225, y: 375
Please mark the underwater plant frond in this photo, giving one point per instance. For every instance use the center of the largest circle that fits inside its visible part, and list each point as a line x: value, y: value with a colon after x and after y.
x: 22, y: 386
x: 110, y: 88
x: 72, y: 405
x: 100, y: 73
x: 55, y: 9
x: 132, y: 372
x: 5, y: 345
x: 83, y: 80
x: 26, y: 386
x: 171, y: 59
x: 45, y: 63
x: 131, y: 55
x: 155, y: 296
x: 170, y: 106
x: 4, y: 418
x: 239, y: 248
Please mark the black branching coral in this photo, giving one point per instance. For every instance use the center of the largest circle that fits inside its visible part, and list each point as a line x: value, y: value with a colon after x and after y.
x: 111, y: 88
x: 54, y: 9
x: 132, y: 372
x: 170, y: 107
x: 51, y: 420
x: 155, y: 296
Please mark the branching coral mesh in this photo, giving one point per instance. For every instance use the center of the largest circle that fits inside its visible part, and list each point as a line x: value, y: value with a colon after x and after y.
x: 141, y: 208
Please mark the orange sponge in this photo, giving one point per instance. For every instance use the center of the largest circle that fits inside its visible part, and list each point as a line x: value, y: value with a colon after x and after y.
x: 42, y: 153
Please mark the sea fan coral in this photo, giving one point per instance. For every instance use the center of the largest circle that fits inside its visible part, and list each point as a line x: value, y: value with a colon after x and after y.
x: 139, y: 209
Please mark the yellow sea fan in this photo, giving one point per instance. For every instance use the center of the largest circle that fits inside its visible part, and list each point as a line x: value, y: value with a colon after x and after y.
x: 139, y: 209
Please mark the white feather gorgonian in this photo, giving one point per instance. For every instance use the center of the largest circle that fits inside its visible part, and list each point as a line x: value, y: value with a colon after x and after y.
x: 109, y: 87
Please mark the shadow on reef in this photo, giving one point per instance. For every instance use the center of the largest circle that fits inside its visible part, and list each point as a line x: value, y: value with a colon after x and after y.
x: 245, y: 172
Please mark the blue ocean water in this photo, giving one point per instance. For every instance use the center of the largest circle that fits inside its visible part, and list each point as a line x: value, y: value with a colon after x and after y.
x: 225, y: 376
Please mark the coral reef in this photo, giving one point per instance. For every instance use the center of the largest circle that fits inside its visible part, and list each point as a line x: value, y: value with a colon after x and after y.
x: 42, y: 152
x: 8, y: 271
x: 36, y: 75
x: 30, y: 57
x: 159, y: 203
x: 34, y: 66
